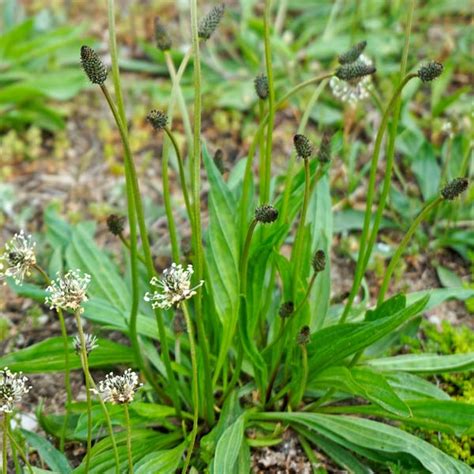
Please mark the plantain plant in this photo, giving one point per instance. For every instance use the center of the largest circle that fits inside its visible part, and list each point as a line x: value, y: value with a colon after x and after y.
x: 239, y: 332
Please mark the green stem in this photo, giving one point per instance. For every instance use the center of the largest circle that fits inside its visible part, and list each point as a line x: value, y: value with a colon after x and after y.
x: 265, y: 197
x: 297, y: 249
x: 244, y: 260
x: 6, y: 428
x: 129, y: 438
x: 176, y: 77
x: 85, y: 368
x: 182, y: 175
x: 370, y: 196
x: 261, y: 147
x: 127, y: 244
x: 133, y: 193
x: 247, y: 181
x: 401, y: 248
x: 195, y: 386
x: 67, y: 377
x: 89, y: 386
x: 67, y: 370
x: 390, y: 148
x: 15, y: 445
x: 196, y: 222
x: 289, y: 172
x: 168, y: 207
x: 304, y: 379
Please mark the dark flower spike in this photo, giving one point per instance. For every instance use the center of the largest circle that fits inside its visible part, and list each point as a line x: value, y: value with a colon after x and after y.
x: 430, y: 71
x: 219, y: 160
x: 179, y: 323
x: 286, y: 309
x: 162, y: 38
x: 210, y: 22
x: 158, y: 119
x: 454, y: 188
x: 266, y: 214
x: 303, y: 146
x: 93, y: 65
x: 115, y: 224
x: 304, y: 336
x: 261, y: 86
x: 324, y: 152
x: 352, y: 54
x: 356, y: 70
x: 319, y: 261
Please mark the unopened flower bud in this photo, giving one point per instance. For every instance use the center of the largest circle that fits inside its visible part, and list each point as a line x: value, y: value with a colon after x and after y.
x: 162, y: 38
x: 266, y: 214
x: 355, y: 70
x: 303, y: 146
x: 210, y: 22
x: 115, y: 224
x: 304, y: 336
x: 324, y: 152
x: 430, y: 71
x: 219, y: 160
x: 454, y: 188
x: 93, y: 65
x: 157, y: 119
x: 319, y: 261
x: 261, y: 86
x: 352, y: 54
x: 286, y: 309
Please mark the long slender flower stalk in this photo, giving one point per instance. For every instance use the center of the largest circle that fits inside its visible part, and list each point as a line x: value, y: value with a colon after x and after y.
x: 177, y: 92
x: 247, y: 181
x: 67, y: 369
x: 17, y: 448
x: 265, y: 197
x: 195, y: 164
x: 6, y: 428
x: 129, y: 438
x: 370, y: 195
x: 85, y: 368
x: 390, y: 147
x: 90, y: 386
x: 195, y: 387
x: 133, y: 195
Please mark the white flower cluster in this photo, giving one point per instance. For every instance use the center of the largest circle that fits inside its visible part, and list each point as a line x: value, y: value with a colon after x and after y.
x: 118, y: 389
x: 12, y: 388
x: 69, y: 291
x: 353, y: 91
x: 18, y: 258
x: 90, y: 340
x: 175, y: 286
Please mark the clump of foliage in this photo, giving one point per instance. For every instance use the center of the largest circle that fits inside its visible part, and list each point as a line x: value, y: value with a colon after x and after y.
x: 445, y: 340
x: 238, y: 333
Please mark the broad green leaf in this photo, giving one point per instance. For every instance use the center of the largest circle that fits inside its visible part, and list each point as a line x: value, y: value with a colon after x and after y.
x: 425, y: 363
x: 387, y: 308
x: 427, y: 170
x: 365, y: 383
x: 49, y: 454
x: 48, y: 356
x: 228, y: 447
x: 375, y: 436
x: 320, y: 222
x: 448, y: 416
x: 448, y: 278
x: 222, y: 255
x: 106, y: 282
x: 230, y: 413
x: 164, y: 461
x: 333, y: 344
x: 440, y: 295
x: 152, y: 410
x: 411, y: 387
x: 143, y: 443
